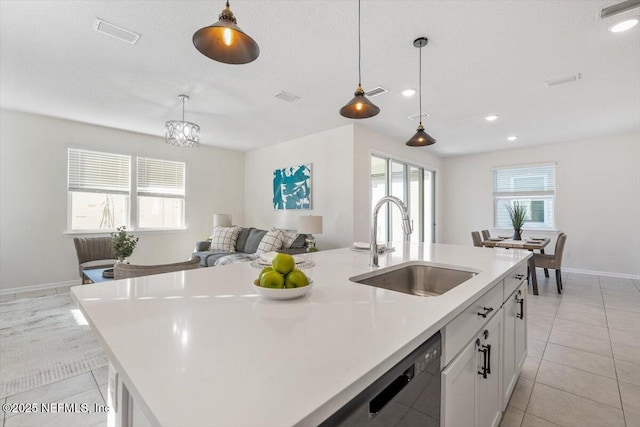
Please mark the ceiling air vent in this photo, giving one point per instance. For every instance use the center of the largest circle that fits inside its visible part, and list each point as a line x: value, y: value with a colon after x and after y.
x: 619, y: 8
x: 286, y: 96
x: 115, y: 31
x: 376, y: 91
x: 423, y: 114
x: 563, y: 80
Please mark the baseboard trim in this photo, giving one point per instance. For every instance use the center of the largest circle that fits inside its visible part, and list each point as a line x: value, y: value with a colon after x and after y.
x: 39, y: 287
x: 601, y: 273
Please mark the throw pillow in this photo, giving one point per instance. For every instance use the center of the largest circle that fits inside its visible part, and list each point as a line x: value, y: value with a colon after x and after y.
x: 288, y: 237
x: 272, y: 241
x: 224, y: 239
x: 242, y: 239
x: 300, y: 242
x: 254, y: 239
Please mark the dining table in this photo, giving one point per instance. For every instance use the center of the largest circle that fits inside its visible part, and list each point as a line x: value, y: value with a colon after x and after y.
x: 530, y: 244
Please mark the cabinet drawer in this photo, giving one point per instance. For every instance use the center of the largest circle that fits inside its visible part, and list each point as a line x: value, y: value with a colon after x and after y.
x: 514, y: 279
x: 466, y: 325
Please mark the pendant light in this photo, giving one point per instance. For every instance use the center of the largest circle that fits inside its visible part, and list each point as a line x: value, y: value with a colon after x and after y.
x: 225, y: 42
x: 421, y: 138
x: 359, y: 107
x: 181, y: 133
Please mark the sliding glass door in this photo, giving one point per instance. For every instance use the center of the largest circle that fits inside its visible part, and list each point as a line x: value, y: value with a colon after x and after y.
x: 413, y: 185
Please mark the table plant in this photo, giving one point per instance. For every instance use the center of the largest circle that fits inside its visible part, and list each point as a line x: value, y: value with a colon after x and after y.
x: 123, y: 244
x: 518, y: 214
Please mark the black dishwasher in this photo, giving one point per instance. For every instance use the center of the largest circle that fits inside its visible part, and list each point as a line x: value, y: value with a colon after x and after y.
x: 407, y: 395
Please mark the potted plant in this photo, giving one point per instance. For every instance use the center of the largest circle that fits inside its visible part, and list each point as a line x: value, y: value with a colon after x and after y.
x: 518, y: 214
x: 123, y: 244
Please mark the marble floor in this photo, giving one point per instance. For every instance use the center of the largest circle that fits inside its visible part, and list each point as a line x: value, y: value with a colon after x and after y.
x: 583, y: 367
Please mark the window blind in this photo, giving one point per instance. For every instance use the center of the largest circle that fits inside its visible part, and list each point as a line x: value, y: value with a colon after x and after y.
x: 98, y: 172
x: 533, y: 187
x: 161, y: 178
x: 524, y: 181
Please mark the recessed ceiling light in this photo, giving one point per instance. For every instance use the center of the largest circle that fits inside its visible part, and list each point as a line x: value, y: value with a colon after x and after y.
x: 408, y: 92
x: 491, y: 118
x: 625, y: 25
x: 512, y: 138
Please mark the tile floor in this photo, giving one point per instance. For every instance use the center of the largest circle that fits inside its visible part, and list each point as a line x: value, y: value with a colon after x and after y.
x: 583, y: 367
x: 89, y: 388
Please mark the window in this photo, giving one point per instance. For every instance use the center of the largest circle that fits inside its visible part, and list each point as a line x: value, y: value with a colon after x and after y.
x: 533, y: 186
x: 160, y: 193
x: 414, y: 186
x: 98, y: 185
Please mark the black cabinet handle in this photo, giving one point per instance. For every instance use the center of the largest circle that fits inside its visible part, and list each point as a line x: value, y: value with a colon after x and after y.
x: 519, y: 276
x: 487, y: 310
x: 377, y: 403
x: 521, y: 302
x: 486, y: 362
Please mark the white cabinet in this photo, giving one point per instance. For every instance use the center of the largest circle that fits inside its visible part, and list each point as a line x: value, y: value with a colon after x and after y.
x: 515, y: 340
x: 489, y: 383
x: 471, y: 384
x: 459, y: 389
x: 484, y: 349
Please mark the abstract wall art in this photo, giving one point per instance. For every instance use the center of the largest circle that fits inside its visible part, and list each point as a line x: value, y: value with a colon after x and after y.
x: 292, y: 187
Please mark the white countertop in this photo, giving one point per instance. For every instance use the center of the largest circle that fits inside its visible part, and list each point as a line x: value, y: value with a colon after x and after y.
x: 201, y: 348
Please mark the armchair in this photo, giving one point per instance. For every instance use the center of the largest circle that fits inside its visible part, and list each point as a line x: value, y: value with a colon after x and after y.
x: 94, y: 252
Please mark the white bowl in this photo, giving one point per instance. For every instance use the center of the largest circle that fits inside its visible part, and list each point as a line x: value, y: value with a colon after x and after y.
x: 283, y: 293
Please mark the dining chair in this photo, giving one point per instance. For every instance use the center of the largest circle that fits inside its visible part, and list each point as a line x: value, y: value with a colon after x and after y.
x: 477, y: 240
x: 127, y: 271
x: 485, y: 234
x: 554, y: 261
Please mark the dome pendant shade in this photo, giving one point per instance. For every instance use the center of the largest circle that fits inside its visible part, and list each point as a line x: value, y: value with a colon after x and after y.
x: 359, y: 107
x: 421, y: 138
x: 225, y: 42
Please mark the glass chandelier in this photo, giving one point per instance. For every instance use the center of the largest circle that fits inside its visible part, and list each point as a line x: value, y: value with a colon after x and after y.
x: 181, y: 133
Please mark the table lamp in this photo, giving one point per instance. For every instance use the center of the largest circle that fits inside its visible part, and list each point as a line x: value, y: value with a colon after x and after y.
x: 309, y: 225
x: 221, y: 220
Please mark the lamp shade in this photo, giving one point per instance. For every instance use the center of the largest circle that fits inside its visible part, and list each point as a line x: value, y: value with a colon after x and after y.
x: 221, y: 220
x: 359, y: 107
x: 420, y: 138
x: 225, y: 42
x: 310, y: 224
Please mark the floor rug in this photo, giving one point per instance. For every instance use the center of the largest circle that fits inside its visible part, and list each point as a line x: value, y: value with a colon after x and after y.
x: 43, y: 340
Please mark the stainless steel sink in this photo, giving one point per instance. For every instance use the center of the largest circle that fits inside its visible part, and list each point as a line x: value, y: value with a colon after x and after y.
x: 416, y: 278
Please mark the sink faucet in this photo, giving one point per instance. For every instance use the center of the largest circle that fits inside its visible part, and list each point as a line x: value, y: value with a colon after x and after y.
x: 406, y: 225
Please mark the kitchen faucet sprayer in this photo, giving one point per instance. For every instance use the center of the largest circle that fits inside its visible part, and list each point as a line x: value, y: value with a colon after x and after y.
x: 407, y: 228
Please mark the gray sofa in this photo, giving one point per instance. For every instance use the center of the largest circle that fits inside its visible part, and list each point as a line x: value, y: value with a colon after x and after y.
x: 246, y: 246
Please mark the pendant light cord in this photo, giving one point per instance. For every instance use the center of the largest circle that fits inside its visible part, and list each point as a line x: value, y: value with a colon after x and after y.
x: 420, y: 79
x: 359, y: 48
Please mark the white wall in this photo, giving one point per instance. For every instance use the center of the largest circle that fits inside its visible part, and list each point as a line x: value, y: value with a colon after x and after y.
x: 33, y: 197
x: 367, y: 142
x: 597, y: 198
x: 331, y: 155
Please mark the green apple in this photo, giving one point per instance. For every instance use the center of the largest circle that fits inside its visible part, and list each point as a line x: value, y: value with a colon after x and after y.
x: 296, y: 279
x: 283, y: 263
x: 272, y: 279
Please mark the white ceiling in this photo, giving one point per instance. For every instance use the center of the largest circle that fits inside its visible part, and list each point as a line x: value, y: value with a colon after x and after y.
x: 483, y: 57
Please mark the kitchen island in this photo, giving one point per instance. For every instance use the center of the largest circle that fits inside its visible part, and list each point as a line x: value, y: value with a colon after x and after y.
x: 201, y: 348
